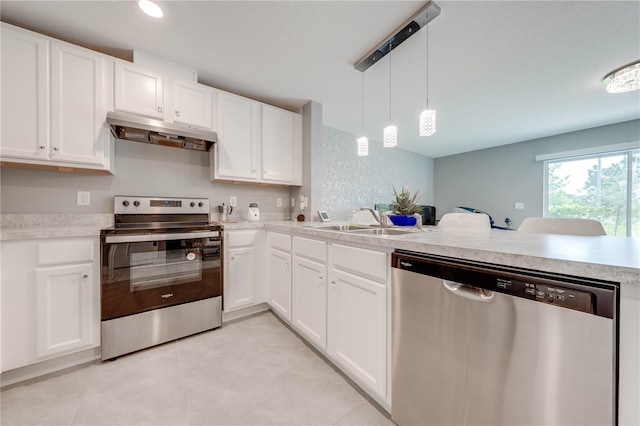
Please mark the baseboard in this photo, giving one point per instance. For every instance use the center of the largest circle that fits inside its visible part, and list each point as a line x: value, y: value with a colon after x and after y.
x: 244, y: 312
x: 48, y: 367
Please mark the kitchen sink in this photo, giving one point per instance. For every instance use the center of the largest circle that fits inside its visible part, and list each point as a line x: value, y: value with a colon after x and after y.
x: 381, y: 231
x: 339, y: 227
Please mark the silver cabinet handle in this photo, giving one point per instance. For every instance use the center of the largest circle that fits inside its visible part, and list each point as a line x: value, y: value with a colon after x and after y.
x: 159, y: 109
x: 319, y: 278
x: 333, y: 283
x: 177, y: 113
x: 85, y: 276
x: 54, y: 150
x: 40, y: 148
x: 233, y: 258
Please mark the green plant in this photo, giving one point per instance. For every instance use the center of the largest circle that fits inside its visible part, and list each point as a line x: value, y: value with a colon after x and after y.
x: 404, y: 203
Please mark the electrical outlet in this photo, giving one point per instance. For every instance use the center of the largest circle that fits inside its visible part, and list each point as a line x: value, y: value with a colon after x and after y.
x: 83, y: 198
x: 278, y: 202
x: 233, y: 201
x: 519, y: 205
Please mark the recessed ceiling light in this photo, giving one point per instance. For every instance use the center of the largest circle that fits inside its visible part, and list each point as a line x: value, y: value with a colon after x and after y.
x: 624, y: 79
x: 150, y: 8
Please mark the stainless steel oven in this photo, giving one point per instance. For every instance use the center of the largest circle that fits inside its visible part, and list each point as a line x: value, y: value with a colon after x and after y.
x: 161, y: 273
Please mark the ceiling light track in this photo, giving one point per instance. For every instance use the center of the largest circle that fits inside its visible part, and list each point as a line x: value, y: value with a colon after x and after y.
x: 411, y: 26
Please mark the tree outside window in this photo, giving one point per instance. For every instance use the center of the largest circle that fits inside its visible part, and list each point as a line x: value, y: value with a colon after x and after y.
x: 604, y: 187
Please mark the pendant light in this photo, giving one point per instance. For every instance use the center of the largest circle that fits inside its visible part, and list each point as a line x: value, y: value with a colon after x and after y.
x: 363, y: 141
x: 427, y: 120
x: 390, y: 133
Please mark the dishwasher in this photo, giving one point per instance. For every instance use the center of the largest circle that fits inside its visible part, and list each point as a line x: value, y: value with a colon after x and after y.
x: 481, y: 344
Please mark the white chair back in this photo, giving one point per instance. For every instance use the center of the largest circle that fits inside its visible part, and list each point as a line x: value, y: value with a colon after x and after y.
x: 561, y: 225
x: 469, y: 221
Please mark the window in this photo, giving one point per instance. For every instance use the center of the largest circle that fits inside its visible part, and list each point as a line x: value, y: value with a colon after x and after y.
x: 603, y: 186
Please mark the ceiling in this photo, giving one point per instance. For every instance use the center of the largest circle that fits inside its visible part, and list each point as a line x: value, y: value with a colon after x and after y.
x: 500, y: 71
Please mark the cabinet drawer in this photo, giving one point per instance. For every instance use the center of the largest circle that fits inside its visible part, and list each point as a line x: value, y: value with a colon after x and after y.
x: 241, y: 238
x: 313, y: 249
x: 280, y: 241
x: 55, y: 253
x: 364, y: 262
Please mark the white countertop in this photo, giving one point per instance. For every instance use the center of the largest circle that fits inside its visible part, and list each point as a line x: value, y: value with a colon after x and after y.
x: 602, y: 257
x: 607, y: 258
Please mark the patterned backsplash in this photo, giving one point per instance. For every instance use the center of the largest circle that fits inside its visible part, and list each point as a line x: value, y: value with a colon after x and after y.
x: 351, y: 182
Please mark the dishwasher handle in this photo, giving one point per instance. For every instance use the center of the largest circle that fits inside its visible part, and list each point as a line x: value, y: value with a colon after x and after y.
x: 468, y: 292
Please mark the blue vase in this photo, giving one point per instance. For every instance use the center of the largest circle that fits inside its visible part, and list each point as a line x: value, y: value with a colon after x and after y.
x: 402, y: 220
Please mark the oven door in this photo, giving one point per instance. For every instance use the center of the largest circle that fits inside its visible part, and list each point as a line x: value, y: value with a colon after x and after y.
x: 150, y: 271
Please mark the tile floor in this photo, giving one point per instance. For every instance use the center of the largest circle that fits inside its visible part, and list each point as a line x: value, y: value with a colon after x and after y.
x: 250, y: 372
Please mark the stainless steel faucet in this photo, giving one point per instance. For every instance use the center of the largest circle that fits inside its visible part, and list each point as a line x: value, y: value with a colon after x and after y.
x: 383, y: 220
x: 418, y: 217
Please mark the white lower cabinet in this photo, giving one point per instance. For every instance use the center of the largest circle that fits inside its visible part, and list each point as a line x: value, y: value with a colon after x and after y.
x: 240, y: 271
x: 63, y: 309
x: 50, y: 299
x: 241, y: 265
x: 310, y: 300
x: 357, y: 332
x: 280, y: 282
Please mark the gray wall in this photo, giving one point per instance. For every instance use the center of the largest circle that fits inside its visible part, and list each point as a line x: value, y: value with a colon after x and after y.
x: 140, y: 169
x: 494, y: 179
x: 350, y: 182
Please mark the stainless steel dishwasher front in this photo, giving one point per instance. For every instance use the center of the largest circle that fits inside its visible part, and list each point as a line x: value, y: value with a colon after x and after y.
x: 481, y: 344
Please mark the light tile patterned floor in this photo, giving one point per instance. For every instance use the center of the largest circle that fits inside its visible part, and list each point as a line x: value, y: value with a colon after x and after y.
x: 251, y: 372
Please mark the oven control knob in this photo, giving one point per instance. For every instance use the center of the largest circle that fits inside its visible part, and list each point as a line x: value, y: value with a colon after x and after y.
x: 192, y: 204
x: 125, y: 203
x: 200, y: 204
x: 136, y: 203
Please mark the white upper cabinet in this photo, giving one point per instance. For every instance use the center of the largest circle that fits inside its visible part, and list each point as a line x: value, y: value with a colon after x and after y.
x: 237, y: 151
x: 281, y: 131
x: 192, y: 104
x: 138, y: 90
x: 256, y: 143
x: 25, y: 94
x: 55, y: 97
x: 79, y: 104
x: 145, y: 92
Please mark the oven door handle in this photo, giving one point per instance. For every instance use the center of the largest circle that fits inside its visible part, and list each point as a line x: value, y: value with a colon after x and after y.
x: 160, y: 237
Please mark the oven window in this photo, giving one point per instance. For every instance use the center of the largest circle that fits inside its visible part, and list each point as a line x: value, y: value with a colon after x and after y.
x: 139, y: 276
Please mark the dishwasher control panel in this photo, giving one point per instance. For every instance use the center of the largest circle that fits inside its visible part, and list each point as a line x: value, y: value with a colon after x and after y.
x: 560, y: 296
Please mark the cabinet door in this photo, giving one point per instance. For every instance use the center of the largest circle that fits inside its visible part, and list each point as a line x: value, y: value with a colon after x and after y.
x: 280, y: 282
x: 18, y: 311
x: 193, y: 104
x: 277, y: 145
x: 79, y: 92
x: 25, y: 94
x: 310, y: 300
x: 138, y: 91
x: 357, y: 328
x: 64, y: 309
x: 239, y: 278
x: 237, y: 150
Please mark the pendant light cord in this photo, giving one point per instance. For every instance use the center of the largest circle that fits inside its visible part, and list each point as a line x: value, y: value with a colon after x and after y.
x: 390, y: 48
x: 363, y: 102
x: 426, y: 57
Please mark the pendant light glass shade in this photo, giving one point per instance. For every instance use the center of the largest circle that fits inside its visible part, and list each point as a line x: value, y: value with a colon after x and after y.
x: 427, y: 122
x: 390, y: 136
x: 363, y: 146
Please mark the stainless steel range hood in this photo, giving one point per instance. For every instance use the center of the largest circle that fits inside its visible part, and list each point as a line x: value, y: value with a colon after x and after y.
x: 136, y: 128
